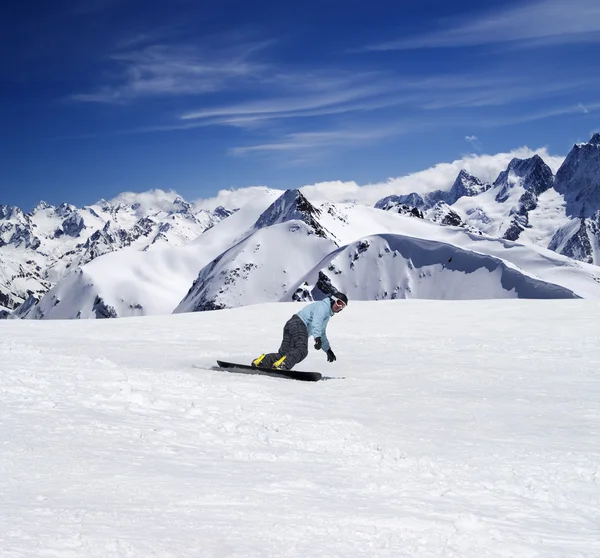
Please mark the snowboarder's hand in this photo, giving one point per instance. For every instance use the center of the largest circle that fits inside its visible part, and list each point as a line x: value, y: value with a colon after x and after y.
x: 318, y: 343
x: 330, y: 356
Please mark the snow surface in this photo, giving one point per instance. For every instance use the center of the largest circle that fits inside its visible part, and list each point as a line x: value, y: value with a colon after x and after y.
x: 445, y: 429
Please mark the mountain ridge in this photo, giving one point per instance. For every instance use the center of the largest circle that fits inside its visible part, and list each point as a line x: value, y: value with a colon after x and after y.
x: 40, y: 249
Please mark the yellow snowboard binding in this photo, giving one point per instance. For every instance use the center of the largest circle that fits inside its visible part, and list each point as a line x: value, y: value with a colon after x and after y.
x: 257, y: 361
x: 280, y: 364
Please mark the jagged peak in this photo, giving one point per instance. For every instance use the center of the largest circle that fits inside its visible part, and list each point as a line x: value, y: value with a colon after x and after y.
x: 521, y: 167
x: 181, y: 206
x: 532, y: 173
x: 41, y: 206
x: 292, y: 206
x: 221, y: 212
x: 102, y: 203
x: 390, y: 202
x: 595, y: 139
x: 65, y: 209
x: 465, y: 185
x: 578, y: 178
x: 289, y: 206
x: 464, y: 176
x: 10, y: 211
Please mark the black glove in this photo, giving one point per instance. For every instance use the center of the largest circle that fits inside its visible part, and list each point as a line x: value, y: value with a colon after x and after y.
x: 330, y: 356
x: 318, y: 343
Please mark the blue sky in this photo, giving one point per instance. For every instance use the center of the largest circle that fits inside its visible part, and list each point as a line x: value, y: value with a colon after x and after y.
x: 104, y: 96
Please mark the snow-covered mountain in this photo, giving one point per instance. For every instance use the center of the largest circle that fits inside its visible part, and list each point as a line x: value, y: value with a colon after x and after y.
x: 525, y: 203
x: 578, y: 180
x: 282, y: 247
x: 465, y: 185
x: 504, y: 209
x: 288, y: 239
x: 145, y: 282
x: 374, y: 256
x: 38, y: 248
x: 156, y: 254
x: 407, y: 267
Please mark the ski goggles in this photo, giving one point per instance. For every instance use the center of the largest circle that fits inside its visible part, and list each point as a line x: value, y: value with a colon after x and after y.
x: 339, y: 303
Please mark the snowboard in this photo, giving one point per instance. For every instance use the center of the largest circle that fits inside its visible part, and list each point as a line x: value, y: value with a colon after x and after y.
x: 290, y: 374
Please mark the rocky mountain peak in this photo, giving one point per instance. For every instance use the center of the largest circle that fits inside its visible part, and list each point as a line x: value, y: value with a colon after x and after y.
x: 181, y: 206
x: 65, y: 209
x: 11, y: 212
x: 532, y: 174
x: 466, y: 185
x: 578, y: 179
x: 41, y: 207
x: 595, y: 139
x: 391, y: 202
x: 221, y: 213
x: 291, y: 206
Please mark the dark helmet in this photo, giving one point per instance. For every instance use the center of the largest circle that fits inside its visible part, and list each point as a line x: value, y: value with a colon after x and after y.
x: 339, y: 296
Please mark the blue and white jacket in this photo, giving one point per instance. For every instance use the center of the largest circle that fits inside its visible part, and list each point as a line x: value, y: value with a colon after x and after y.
x: 316, y: 316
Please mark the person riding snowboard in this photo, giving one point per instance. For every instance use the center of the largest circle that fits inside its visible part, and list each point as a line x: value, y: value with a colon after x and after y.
x: 311, y: 321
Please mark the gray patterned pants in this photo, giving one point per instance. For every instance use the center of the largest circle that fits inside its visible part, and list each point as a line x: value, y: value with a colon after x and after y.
x: 294, y: 345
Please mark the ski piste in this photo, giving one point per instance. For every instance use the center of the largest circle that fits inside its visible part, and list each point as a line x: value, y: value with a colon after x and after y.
x: 290, y: 374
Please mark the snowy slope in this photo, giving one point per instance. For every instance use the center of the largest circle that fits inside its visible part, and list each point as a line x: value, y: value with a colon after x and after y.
x: 460, y: 429
x: 283, y: 245
x: 408, y: 267
x: 258, y: 269
x: 360, y: 222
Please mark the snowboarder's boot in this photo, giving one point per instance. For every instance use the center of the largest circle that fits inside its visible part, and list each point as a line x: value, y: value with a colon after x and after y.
x: 257, y: 361
x: 280, y: 364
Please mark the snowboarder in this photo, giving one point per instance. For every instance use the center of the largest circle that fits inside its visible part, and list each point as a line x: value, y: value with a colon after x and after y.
x: 311, y: 321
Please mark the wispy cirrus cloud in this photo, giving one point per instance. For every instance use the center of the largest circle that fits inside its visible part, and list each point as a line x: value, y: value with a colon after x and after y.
x: 541, y: 22
x: 309, y: 98
x: 161, y: 70
x: 309, y: 141
x: 343, y: 107
x: 532, y: 116
x: 366, y: 92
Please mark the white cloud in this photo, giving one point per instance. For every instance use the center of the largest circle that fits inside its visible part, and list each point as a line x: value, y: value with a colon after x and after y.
x: 232, y: 198
x: 439, y: 177
x: 545, y: 21
x: 152, y: 200
x: 474, y: 142
x: 583, y: 108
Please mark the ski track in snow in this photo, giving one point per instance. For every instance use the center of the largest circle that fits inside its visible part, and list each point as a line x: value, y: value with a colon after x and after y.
x: 461, y: 430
